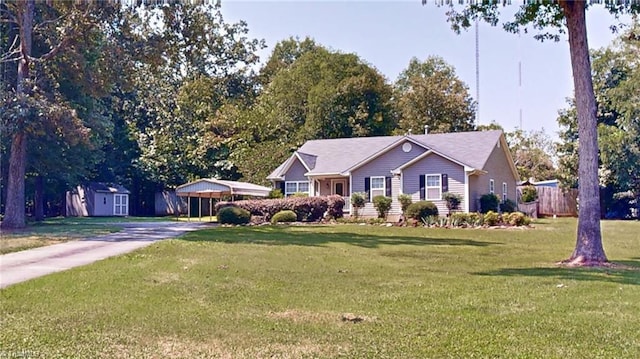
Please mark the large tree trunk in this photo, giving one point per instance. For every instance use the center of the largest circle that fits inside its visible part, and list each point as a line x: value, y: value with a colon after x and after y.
x: 589, y: 250
x: 14, y: 210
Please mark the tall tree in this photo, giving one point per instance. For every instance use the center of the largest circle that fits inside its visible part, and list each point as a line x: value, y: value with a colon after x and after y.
x: 617, y: 83
x: 565, y: 16
x: 200, y: 63
x: 52, y: 28
x: 322, y: 94
x: 430, y: 94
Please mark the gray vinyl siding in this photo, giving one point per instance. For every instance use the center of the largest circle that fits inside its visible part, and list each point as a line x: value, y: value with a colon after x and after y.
x: 498, y: 169
x: 296, y: 172
x: 434, y: 164
x: 102, y: 204
x: 382, y: 166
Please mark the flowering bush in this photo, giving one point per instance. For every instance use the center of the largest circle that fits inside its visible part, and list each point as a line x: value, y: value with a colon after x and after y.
x: 307, y: 209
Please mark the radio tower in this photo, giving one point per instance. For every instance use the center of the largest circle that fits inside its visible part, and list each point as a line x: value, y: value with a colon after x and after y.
x: 477, y: 74
x: 520, y: 79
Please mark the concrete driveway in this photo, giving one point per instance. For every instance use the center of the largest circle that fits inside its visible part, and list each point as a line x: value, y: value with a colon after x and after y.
x: 24, y: 265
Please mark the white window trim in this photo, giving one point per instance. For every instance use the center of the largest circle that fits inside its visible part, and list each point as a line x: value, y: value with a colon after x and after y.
x: 384, y: 187
x: 427, y: 187
x: 286, y: 193
x: 504, y: 191
x: 492, y: 186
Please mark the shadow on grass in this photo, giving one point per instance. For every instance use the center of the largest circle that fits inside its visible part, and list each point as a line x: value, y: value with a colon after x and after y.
x: 623, y: 272
x: 277, y: 235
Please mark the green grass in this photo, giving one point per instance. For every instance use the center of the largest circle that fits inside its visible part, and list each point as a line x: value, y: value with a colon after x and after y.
x: 59, y: 229
x: 283, y: 291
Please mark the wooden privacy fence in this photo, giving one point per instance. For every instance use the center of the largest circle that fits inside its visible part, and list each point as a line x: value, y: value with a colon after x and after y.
x: 556, y: 201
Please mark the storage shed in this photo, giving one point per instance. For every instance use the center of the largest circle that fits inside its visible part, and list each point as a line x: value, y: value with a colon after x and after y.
x: 209, y: 189
x: 97, y: 199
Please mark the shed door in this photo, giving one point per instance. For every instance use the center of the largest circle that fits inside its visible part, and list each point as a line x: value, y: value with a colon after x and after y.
x: 121, y: 205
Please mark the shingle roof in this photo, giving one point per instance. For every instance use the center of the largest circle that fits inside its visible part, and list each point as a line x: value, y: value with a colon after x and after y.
x: 470, y: 148
x: 334, y: 156
x: 108, y: 187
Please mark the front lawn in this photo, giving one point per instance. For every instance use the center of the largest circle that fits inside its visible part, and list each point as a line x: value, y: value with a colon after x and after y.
x: 346, y: 291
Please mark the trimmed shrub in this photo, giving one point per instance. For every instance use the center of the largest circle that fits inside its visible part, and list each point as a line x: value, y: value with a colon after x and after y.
x: 421, y: 209
x: 335, y: 206
x: 491, y: 218
x: 382, y: 205
x: 307, y: 209
x: 233, y: 215
x: 275, y: 193
x: 286, y: 216
x: 517, y: 219
x: 405, y: 201
x: 507, y: 206
x: 358, y: 200
x: 489, y: 202
x: 453, y: 200
x: 529, y: 194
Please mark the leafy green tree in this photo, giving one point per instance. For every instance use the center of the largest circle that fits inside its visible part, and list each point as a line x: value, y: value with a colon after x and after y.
x: 430, y: 94
x: 533, y: 154
x: 564, y: 16
x: 36, y: 108
x: 322, y: 94
x: 284, y: 54
x: 200, y: 64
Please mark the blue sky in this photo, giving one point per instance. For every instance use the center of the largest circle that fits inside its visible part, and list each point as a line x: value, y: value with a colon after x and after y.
x: 387, y: 34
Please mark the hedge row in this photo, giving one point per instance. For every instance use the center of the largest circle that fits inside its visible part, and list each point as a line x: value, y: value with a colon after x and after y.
x: 307, y: 209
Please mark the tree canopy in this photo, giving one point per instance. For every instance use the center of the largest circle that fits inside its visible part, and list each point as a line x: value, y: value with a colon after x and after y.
x: 430, y: 94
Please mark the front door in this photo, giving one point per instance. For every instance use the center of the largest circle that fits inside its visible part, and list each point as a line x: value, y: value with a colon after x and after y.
x: 339, y: 187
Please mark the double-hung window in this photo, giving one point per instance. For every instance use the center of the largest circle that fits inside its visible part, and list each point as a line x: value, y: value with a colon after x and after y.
x: 433, y: 187
x: 492, y: 186
x: 296, y: 187
x: 377, y: 187
x: 504, y: 191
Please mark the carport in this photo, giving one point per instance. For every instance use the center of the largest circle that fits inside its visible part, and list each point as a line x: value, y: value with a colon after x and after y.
x: 211, y: 188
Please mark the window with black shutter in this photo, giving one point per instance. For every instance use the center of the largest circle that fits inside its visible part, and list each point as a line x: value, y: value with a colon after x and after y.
x: 387, y: 186
x: 445, y: 183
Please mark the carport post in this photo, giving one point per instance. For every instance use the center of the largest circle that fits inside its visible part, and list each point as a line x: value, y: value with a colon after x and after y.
x: 199, y: 209
x: 210, y: 207
x: 188, y: 208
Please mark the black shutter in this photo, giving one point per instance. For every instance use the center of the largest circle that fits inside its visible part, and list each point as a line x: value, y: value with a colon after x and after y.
x: 367, y: 187
x: 387, y: 186
x: 282, y: 187
x: 445, y: 182
x: 422, y: 186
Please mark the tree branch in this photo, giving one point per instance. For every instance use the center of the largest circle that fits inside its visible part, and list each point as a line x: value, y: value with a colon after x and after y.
x: 66, y: 39
x: 37, y: 27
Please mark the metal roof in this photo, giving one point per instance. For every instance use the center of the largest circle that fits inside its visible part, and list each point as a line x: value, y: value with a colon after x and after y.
x: 216, y: 188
